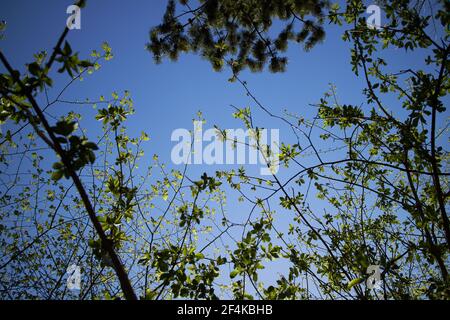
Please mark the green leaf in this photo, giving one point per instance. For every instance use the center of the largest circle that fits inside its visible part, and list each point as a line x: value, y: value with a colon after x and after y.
x: 57, y: 165
x: 85, y: 64
x: 354, y: 282
x: 91, y: 156
x: 91, y: 145
x: 67, y: 49
x: 234, y: 273
x: 57, y: 175
x: 199, y: 256
x: 65, y: 128
x: 34, y: 69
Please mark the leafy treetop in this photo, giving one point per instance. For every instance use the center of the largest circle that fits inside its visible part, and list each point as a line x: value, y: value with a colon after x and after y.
x: 239, y: 32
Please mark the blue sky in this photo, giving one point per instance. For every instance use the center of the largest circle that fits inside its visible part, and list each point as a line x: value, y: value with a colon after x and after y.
x: 167, y: 96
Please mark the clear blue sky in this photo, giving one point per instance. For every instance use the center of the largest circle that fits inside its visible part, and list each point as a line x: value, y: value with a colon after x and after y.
x: 168, y: 96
